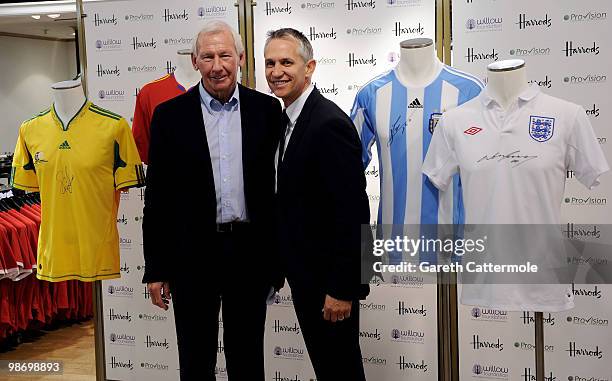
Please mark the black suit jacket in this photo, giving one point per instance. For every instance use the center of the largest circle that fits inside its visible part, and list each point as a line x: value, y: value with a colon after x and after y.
x: 179, y: 226
x: 322, y: 202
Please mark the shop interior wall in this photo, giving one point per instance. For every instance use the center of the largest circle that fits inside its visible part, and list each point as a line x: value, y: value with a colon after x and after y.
x: 29, y: 67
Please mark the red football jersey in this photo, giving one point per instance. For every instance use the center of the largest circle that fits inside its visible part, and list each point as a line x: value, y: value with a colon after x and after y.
x: 152, y: 94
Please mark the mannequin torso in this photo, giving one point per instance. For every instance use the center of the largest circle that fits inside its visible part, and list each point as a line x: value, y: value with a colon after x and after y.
x: 185, y: 74
x: 418, y: 63
x: 507, y: 80
x: 68, y: 98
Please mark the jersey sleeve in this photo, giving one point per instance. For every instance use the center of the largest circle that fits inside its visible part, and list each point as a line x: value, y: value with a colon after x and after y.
x: 128, y: 167
x: 23, y: 173
x: 141, y: 126
x: 441, y: 161
x: 365, y: 127
x: 585, y: 155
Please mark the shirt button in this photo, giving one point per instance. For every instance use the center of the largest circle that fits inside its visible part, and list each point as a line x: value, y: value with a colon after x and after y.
x: 225, y: 180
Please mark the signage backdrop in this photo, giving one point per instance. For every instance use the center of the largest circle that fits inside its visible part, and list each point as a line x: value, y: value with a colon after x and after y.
x: 568, y: 53
x: 130, y: 43
x: 353, y: 42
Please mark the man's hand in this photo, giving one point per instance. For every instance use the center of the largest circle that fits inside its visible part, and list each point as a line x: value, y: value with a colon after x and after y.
x: 336, y: 310
x: 160, y: 294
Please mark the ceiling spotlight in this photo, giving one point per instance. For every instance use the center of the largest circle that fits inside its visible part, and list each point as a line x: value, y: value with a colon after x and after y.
x: 54, y: 15
x: 37, y: 17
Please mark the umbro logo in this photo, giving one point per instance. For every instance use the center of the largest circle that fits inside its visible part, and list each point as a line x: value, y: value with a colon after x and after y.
x: 64, y: 145
x: 415, y: 104
x: 472, y: 130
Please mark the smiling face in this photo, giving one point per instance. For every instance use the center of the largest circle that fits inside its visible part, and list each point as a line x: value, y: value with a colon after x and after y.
x: 218, y: 62
x: 287, y: 73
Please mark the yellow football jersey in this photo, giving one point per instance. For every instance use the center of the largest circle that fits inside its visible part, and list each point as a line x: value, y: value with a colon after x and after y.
x: 78, y: 169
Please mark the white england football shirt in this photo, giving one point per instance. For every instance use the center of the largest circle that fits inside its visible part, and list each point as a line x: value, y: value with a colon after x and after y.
x: 401, y: 119
x: 513, y: 170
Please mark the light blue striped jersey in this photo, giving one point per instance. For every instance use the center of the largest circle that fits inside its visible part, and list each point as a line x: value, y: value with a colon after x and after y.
x: 401, y: 121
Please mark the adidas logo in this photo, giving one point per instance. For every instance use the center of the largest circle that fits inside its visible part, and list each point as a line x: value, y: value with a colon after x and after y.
x: 415, y: 104
x: 64, y: 145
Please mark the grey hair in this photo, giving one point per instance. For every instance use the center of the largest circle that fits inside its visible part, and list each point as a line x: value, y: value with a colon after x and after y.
x: 218, y: 26
x: 305, y: 48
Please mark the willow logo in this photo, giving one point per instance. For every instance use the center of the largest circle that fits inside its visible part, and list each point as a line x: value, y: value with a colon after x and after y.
x: 407, y: 336
x: 353, y: 61
x: 487, y: 314
x: 473, y: 56
x: 117, y: 363
x: 212, y: 11
x: 111, y: 95
x: 289, y: 353
x: 175, y: 16
x: 314, y: 35
x: 525, y: 22
x: 485, y: 24
x: 351, y: 5
x: 400, y: 30
x: 122, y: 339
x: 270, y: 10
x: 571, y: 50
x: 490, y: 371
x: 283, y: 300
x: 136, y: 44
x: 410, y: 365
x: 100, y: 20
x: 575, y: 351
x: 109, y: 44
x: 120, y: 291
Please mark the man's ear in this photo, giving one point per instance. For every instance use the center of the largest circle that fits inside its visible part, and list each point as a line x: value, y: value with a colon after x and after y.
x: 242, y: 59
x: 311, y: 65
x: 193, y: 62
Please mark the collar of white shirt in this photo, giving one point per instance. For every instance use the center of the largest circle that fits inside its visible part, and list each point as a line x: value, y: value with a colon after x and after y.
x: 295, y: 109
x: 213, y: 105
x: 527, y: 95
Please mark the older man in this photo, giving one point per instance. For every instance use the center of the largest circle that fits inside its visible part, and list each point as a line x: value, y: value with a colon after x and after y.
x: 210, y: 185
x: 322, y: 204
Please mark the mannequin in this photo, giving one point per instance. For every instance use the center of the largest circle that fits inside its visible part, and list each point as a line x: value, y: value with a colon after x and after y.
x: 507, y: 80
x: 68, y: 98
x: 418, y: 63
x: 185, y: 74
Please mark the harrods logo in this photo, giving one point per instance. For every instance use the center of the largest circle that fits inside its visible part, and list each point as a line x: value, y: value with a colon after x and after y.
x: 581, y: 232
x: 112, y: 315
x: 402, y: 309
x: 172, y: 15
x: 577, y: 351
x: 361, y: 61
x: 529, y: 22
x: 283, y: 328
x: 327, y: 35
x: 118, y: 363
x: 478, y: 343
x: 155, y: 343
x: 278, y: 376
x: 572, y: 50
x: 100, y: 20
x: 414, y: 30
x: 595, y: 293
x: 272, y: 10
x: 351, y: 5
x: 592, y: 111
x: 529, y: 375
x: 474, y: 56
x: 403, y: 364
x: 529, y: 318
x: 148, y: 44
x: 544, y: 83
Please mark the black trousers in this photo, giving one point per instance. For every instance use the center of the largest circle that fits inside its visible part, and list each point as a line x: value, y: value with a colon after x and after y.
x: 333, y: 347
x: 240, y: 292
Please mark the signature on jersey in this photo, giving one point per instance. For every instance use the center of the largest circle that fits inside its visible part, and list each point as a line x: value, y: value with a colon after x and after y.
x: 399, y: 126
x: 65, y: 180
x: 515, y: 158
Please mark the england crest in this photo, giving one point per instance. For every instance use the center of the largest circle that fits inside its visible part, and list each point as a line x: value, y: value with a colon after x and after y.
x: 541, y: 128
